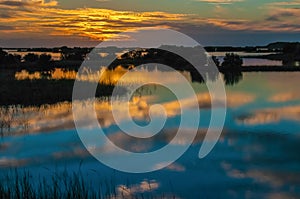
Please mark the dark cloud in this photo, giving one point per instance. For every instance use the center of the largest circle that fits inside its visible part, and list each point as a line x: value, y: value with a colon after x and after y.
x: 279, y: 16
x: 214, y: 35
x: 287, y: 26
x: 14, y: 3
x: 5, y: 16
x: 235, y: 22
x: 6, y: 28
x: 287, y: 14
x: 272, y: 18
x: 50, y: 41
x: 20, y: 4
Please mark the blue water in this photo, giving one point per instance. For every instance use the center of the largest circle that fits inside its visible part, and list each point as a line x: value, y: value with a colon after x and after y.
x: 257, y: 155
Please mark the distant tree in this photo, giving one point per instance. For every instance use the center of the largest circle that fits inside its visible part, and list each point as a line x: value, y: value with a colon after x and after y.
x: 232, y: 62
x: 232, y: 68
x: 44, y: 59
x: 75, y: 56
x: 13, y: 59
x: 291, y: 54
x: 30, y: 57
x: 291, y: 48
x: 3, y: 55
x: 9, y: 59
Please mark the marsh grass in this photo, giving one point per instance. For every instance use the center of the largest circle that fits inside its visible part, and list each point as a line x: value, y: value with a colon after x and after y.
x: 18, y: 184
x: 39, y: 92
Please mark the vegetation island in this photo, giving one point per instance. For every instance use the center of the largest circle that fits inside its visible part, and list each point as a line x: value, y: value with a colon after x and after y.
x: 44, y: 90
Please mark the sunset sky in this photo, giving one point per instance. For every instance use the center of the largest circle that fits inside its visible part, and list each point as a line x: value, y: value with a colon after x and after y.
x: 48, y: 23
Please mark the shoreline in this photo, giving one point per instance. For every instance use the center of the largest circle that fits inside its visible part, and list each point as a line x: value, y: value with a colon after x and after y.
x: 74, y: 65
x: 270, y: 69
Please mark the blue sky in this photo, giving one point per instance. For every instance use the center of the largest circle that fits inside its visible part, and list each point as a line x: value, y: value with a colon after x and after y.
x: 33, y: 23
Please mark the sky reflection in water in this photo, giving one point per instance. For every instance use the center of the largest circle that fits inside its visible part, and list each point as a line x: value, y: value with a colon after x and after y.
x: 256, y: 156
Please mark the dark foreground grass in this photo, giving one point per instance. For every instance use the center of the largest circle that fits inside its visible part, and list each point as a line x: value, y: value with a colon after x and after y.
x: 17, y: 184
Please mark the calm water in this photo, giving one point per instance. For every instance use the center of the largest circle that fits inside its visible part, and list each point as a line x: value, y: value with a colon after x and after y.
x: 257, y: 155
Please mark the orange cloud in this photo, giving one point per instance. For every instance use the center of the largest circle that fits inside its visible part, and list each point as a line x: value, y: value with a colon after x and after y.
x: 40, y: 19
x: 220, y: 1
x: 271, y: 115
x: 285, y: 3
x: 97, y: 24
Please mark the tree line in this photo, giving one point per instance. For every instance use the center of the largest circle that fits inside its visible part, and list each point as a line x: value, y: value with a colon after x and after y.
x: 13, y: 60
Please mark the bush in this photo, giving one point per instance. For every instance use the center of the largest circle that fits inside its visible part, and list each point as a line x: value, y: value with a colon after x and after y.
x: 30, y: 57
x: 232, y: 62
x: 44, y: 59
x: 9, y: 59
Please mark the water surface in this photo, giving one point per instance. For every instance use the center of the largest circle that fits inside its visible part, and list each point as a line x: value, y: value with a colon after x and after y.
x: 257, y: 155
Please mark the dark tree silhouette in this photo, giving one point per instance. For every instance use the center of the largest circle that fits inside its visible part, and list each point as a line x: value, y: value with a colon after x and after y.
x: 44, y: 59
x: 291, y: 48
x: 232, y: 62
x: 291, y: 54
x: 30, y: 57
x: 74, y: 54
x: 9, y: 59
x: 13, y: 59
x: 232, y: 68
x: 3, y: 55
x: 166, y: 57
